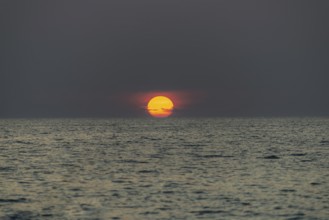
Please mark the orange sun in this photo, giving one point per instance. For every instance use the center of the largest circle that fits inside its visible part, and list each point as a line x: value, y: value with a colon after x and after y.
x: 160, y: 107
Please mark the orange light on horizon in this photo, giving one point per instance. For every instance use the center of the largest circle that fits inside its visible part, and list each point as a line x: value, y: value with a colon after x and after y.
x: 160, y: 107
x: 181, y: 99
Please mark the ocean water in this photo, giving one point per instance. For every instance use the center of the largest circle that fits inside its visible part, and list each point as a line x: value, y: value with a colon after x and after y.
x: 215, y: 168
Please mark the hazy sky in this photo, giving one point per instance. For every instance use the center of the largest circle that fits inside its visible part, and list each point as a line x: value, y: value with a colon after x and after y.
x: 231, y: 58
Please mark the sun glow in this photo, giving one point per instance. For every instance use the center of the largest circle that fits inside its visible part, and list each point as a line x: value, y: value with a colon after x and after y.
x: 160, y: 107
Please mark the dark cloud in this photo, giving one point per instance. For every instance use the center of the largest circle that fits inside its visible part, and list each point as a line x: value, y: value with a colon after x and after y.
x: 77, y: 58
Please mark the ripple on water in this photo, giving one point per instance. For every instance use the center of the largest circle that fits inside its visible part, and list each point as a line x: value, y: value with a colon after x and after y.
x: 164, y: 169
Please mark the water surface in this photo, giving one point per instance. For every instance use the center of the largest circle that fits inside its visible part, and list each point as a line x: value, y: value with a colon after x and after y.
x: 225, y: 168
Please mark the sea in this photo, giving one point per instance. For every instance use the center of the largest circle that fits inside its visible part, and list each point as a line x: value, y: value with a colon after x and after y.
x: 172, y: 168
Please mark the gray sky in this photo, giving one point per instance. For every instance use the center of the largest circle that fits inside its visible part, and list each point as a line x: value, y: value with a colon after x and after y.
x: 228, y: 58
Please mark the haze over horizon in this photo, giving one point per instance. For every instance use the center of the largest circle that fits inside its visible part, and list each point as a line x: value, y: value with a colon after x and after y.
x: 88, y: 58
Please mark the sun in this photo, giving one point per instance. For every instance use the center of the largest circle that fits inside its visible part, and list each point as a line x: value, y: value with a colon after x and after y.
x: 160, y: 107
